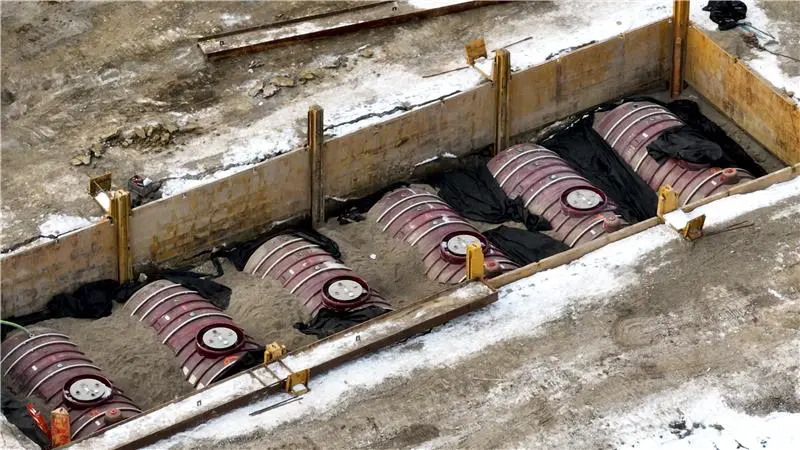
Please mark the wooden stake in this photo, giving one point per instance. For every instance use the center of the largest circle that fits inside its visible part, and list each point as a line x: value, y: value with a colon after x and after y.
x: 501, y: 76
x: 680, y: 29
x: 120, y: 211
x: 315, y: 142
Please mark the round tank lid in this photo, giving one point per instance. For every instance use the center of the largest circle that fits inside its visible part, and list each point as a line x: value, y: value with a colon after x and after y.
x: 88, y: 389
x: 345, y: 290
x: 457, y: 244
x: 220, y: 337
x: 584, y: 199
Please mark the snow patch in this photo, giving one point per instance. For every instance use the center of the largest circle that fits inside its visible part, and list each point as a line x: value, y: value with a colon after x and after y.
x: 522, y: 310
x: 787, y: 212
x: 230, y: 20
x: 58, y: 224
x: 699, y: 417
x: 179, y: 185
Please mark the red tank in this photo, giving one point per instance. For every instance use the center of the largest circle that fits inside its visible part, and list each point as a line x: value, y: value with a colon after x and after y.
x: 630, y: 127
x: 425, y: 221
x: 313, y: 274
x: 550, y: 188
x: 205, y: 340
x: 49, y: 369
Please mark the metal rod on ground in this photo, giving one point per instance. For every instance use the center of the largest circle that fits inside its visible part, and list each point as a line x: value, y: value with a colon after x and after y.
x: 502, y: 76
x: 680, y: 29
x: 315, y: 143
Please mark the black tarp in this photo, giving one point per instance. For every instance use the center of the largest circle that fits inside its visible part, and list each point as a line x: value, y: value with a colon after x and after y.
x: 685, y: 143
x: 94, y: 300
x: 726, y: 14
x: 328, y: 322
x: 586, y: 151
x: 522, y: 246
x: 474, y: 193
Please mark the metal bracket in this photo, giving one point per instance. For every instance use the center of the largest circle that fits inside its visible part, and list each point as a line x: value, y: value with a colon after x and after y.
x: 474, y: 50
x: 297, y: 382
x: 474, y: 262
x: 667, y: 201
x: 694, y: 228
x: 273, y: 352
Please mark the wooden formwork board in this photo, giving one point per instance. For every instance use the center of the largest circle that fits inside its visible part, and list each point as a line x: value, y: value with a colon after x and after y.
x: 319, y: 357
x: 234, y: 208
x: 623, y: 65
x: 31, y: 277
x: 752, y: 103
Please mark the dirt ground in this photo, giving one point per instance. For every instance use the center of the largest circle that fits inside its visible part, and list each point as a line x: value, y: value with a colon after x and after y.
x: 722, y: 313
x: 83, y: 77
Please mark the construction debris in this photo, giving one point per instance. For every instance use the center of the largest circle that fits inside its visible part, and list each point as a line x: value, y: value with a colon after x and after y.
x: 282, y: 81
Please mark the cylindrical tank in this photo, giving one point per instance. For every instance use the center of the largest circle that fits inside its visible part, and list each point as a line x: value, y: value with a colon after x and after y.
x: 205, y: 340
x: 550, y: 188
x: 632, y: 126
x: 49, y: 369
x: 424, y: 220
x: 313, y: 274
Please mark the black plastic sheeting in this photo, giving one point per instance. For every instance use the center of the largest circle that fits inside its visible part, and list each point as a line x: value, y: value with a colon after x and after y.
x: 726, y: 14
x: 475, y: 194
x: 240, y: 253
x: 685, y: 143
x: 328, y: 322
x: 17, y: 414
x: 94, y: 300
x: 524, y: 247
x: 586, y: 151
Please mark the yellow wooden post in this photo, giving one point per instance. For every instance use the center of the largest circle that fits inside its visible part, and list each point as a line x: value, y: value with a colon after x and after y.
x: 667, y: 201
x: 315, y: 142
x: 120, y: 211
x: 474, y: 262
x: 680, y: 30
x: 501, y: 75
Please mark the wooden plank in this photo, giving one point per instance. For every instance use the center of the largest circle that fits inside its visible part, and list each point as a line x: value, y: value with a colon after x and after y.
x: 31, y: 277
x: 680, y: 19
x: 374, y: 15
x: 620, y: 66
x: 235, y: 208
x: 751, y: 102
x: 317, y: 181
x: 369, y: 159
x: 319, y: 357
x: 501, y: 75
x: 571, y: 254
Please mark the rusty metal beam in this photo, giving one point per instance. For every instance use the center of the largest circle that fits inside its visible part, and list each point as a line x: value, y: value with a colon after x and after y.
x: 373, y: 15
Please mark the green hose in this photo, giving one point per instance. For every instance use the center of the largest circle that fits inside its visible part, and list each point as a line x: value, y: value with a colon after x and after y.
x: 12, y: 324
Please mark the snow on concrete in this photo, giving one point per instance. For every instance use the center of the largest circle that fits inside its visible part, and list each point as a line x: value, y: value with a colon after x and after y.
x: 58, y: 224
x: 789, y: 211
x: 723, y: 210
x: 523, y: 308
x: 371, y: 99
x: 765, y: 64
x: 230, y: 20
x: 709, y: 419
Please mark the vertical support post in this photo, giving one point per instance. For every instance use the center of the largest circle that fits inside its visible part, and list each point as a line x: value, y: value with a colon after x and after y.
x: 667, y: 201
x: 315, y: 142
x: 680, y: 30
x: 501, y: 75
x: 120, y: 210
x: 474, y: 262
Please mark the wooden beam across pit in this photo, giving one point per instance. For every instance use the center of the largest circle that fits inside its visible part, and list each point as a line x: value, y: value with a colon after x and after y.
x: 371, y: 15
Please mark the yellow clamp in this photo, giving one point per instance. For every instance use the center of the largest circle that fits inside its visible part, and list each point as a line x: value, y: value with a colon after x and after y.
x: 474, y: 262
x: 273, y: 352
x: 667, y: 201
x: 297, y: 382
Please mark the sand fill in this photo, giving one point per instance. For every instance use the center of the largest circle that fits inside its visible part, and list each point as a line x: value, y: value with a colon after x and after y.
x: 129, y: 353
